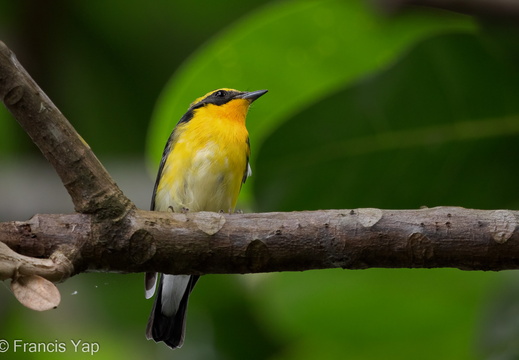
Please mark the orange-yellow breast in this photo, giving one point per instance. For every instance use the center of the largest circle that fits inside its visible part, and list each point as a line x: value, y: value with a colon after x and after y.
x: 205, y: 167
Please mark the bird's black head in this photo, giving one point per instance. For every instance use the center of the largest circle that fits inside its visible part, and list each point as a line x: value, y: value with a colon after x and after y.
x: 221, y: 97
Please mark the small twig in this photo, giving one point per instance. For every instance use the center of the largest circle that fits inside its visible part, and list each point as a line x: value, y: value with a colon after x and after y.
x: 498, y: 9
x: 12, y: 265
x: 90, y: 186
x: 30, y: 277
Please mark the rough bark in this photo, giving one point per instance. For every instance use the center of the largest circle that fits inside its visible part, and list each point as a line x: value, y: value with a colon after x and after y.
x: 109, y: 234
x: 201, y: 243
x: 90, y: 186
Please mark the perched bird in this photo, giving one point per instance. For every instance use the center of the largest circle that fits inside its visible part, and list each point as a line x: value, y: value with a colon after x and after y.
x: 204, y: 164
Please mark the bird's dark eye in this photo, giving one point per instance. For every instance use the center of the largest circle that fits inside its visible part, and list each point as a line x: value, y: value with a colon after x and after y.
x: 220, y: 93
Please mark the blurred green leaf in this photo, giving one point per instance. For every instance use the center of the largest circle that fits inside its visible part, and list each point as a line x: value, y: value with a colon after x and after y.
x: 374, y: 314
x: 7, y: 123
x: 499, y: 329
x: 314, y: 48
x: 438, y: 128
x: 317, y: 51
x: 104, y: 61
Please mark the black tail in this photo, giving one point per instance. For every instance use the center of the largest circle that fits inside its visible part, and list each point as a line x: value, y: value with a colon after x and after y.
x: 169, y: 329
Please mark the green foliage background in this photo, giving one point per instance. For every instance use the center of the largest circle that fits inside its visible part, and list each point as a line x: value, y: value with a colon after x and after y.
x: 363, y: 110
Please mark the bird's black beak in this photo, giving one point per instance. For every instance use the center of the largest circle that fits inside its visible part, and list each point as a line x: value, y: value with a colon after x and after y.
x: 253, y: 95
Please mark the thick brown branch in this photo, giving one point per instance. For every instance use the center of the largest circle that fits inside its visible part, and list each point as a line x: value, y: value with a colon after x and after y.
x: 110, y: 235
x: 90, y: 186
x: 202, y: 243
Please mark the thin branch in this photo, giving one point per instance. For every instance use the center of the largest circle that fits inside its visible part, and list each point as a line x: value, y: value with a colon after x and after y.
x: 90, y: 186
x: 205, y: 242
x: 497, y: 9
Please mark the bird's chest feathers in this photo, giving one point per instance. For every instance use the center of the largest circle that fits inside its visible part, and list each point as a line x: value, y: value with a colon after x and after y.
x: 213, y: 147
x: 205, y: 166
